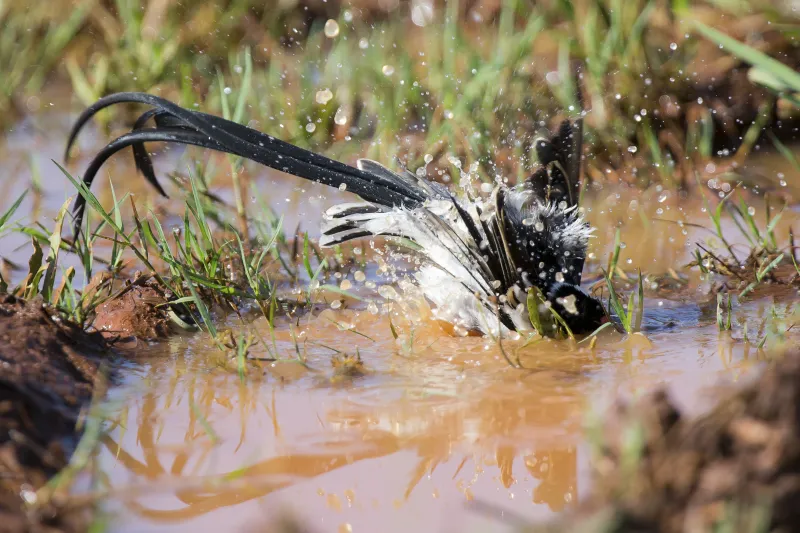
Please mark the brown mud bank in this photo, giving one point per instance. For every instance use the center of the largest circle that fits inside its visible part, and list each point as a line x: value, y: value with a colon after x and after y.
x: 736, y: 468
x: 49, y: 370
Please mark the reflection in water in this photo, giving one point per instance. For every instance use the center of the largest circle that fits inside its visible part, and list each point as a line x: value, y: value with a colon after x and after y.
x: 208, y: 441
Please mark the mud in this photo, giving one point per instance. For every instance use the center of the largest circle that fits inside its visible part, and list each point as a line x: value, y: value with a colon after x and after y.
x: 138, y: 313
x: 736, y: 468
x: 48, y: 369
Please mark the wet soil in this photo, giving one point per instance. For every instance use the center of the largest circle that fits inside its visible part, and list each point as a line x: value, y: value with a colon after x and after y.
x: 48, y: 371
x: 736, y: 468
x: 137, y: 313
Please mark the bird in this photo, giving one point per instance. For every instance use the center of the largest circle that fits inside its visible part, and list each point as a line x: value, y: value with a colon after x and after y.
x: 481, y: 257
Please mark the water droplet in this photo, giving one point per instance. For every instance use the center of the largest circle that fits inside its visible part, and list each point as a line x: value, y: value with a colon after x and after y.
x: 363, y: 43
x: 632, y: 149
x: 28, y: 494
x: 421, y: 13
x: 539, y: 226
x: 33, y: 103
x: 343, y: 187
x: 345, y: 284
x: 387, y: 70
x: 673, y: 46
x: 324, y: 96
x: 527, y: 221
x: 487, y: 187
x: 372, y: 307
x: 428, y: 158
x: 387, y: 291
x: 359, y: 276
x: 336, y: 304
x: 227, y: 90
x: 310, y: 127
x: 331, y: 29
x: 751, y: 210
x: 559, y: 277
x: 448, y: 114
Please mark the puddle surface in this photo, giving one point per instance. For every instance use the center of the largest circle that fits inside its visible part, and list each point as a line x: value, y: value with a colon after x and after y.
x: 440, y: 434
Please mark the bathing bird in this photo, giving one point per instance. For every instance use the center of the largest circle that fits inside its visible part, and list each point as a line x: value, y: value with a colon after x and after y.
x: 481, y: 256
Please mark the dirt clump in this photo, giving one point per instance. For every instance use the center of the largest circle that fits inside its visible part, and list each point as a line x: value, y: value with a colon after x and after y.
x: 736, y: 468
x: 48, y: 370
x: 137, y: 313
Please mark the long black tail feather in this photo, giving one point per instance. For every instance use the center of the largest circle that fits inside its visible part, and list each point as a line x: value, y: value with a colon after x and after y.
x: 140, y: 156
x: 178, y: 125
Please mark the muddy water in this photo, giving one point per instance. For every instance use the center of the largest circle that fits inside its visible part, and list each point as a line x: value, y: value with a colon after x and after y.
x: 439, y: 433
x: 428, y: 429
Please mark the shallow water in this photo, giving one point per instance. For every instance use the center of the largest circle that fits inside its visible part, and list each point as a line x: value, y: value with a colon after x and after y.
x: 440, y: 434
x: 408, y: 445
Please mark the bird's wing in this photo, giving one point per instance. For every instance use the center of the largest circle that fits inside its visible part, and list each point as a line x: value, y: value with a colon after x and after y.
x: 557, y: 179
x: 447, y: 236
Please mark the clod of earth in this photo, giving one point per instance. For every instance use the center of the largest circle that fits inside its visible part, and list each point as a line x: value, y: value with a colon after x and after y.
x: 136, y: 313
x: 736, y: 468
x: 48, y: 370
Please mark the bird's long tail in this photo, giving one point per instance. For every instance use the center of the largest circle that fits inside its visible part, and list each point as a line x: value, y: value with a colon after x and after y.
x: 175, y: 124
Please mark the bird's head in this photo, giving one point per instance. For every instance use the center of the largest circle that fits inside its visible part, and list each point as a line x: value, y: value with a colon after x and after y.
x: 582, y: 312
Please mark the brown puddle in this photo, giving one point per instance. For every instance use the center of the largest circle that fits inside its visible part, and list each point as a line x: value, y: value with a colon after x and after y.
x: 435, y: 422
x: 405, y: 446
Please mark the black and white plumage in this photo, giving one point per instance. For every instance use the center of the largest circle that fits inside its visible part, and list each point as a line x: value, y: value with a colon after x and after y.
x: 480, y: 255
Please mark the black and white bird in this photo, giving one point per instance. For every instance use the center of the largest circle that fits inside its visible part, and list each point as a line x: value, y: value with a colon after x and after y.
x: 479, y: 256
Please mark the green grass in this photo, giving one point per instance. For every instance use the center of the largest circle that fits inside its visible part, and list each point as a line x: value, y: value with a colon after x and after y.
x: 765, y: 70
x: 765, y: 253
x: 385, y: 88
x: 204, y: 264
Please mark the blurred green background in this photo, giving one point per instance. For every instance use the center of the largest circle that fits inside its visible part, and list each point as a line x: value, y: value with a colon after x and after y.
x: 391, y: 78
